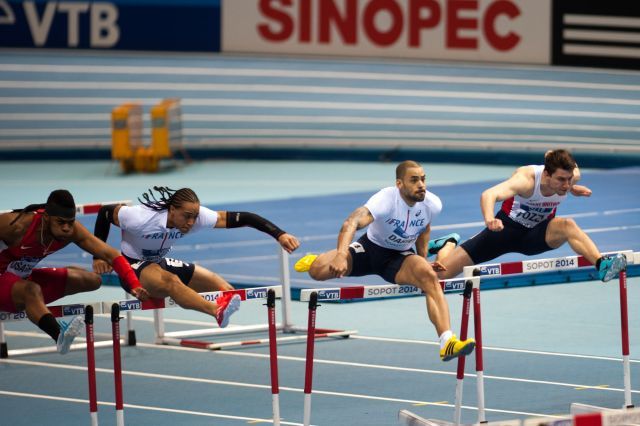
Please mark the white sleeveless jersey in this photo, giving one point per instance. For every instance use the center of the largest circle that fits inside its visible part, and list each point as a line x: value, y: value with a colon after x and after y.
x: 145, y: 235
x: 529, y: 212
x: 396, y: 225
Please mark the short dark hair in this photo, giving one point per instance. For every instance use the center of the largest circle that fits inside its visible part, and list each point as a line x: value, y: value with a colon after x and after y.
x: 402, y: 168
x: 559, y: 159
x: 60, y: 203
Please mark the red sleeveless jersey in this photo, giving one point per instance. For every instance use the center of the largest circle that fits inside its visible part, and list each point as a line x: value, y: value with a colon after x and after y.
x: 21, y: 258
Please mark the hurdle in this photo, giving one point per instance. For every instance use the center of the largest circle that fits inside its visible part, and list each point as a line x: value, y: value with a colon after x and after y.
x: 187, y: 338
x: 467, y: 286
x: 567, y: 263
x: 127, y: 306
x: 476, y: 273
x: 81, y: 209
x: 608, y: 418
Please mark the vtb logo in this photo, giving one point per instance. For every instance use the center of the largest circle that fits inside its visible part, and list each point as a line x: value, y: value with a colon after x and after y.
x: 100, y: 17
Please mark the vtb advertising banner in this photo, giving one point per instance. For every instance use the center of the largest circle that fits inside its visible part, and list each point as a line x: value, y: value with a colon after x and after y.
x: 172, y: 25
x: 476, y: 30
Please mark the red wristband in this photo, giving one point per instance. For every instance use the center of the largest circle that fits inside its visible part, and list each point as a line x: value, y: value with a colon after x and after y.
x: 124, y: 271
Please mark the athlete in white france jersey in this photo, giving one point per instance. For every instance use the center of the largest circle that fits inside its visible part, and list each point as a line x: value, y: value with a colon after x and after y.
x: 145, y: 235
x: 396, y: 224
x: 149, y: 231
x: 526, y: 222
x: 399, y: 218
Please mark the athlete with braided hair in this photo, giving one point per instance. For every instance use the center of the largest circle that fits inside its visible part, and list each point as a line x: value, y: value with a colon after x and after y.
x: 29, y: 235
x: 150, y: 229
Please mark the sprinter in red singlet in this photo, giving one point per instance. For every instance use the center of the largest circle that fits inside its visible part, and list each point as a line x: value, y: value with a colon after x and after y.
x: 29, y: 235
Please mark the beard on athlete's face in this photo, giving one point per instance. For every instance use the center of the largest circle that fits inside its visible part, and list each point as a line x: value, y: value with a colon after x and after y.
x: 417, y: 195
x: 414, y: 192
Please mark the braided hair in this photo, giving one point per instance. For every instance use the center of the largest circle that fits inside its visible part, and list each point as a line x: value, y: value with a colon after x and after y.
x: 168, y: 197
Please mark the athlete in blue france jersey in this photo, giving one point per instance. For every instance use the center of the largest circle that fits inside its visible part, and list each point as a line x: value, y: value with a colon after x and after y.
x: 526, y: 222
x: 398, y: 219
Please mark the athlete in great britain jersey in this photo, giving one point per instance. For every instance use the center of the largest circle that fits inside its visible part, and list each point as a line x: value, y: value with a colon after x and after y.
x: 150, y: 229
x: 29, y: 235
x: 398, y: 219
x: 527, y: 223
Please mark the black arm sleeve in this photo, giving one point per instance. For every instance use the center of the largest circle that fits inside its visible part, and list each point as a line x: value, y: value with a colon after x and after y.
x: 104, y: 221
x: 238, y: 219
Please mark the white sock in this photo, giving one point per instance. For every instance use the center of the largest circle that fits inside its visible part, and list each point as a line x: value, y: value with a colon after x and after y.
x: 444, y: 337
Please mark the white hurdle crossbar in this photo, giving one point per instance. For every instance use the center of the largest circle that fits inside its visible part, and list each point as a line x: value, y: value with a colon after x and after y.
x: 186, y: 338
x: 538, y: 265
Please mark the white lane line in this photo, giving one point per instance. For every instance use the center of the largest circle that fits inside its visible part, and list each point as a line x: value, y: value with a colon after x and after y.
x: 35, y: 334
x: 349, y: 75
x: 490, y: 348
x: 305, y: 89
x: 382, y: 135
x: 257, y: 386
x: 328, y: 105
x: 306, y: 119
x: 141, y: 407
x: 424, y: 371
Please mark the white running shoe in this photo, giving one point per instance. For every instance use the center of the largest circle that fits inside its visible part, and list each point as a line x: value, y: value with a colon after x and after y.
x: 68, y: 332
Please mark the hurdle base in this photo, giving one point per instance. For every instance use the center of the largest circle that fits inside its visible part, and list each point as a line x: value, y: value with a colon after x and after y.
x: 214, y: 346
x: 53, y: 349
x: 4, y: 351
x: 579, y: 408
x: 407, y: 418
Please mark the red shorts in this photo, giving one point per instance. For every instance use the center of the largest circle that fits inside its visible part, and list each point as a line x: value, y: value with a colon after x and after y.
x: 52, y: 281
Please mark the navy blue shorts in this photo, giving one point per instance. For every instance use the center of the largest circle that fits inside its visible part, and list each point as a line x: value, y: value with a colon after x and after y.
x: 514, y: 238
x: 370, y: 259
x: 183, y: 270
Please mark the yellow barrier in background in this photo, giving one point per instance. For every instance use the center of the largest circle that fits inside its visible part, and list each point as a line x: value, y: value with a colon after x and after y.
x: 126, y: 134
x: 166, y: 135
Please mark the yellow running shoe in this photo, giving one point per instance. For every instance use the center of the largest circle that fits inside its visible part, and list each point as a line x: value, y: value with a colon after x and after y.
x: 304, y: 264
x: 456, y: 347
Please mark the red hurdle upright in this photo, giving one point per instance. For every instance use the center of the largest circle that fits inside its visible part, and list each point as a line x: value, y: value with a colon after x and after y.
x: 273, y: 356
x: 117, y: 366
x: 308, y: 377
x: 464, y: 328
x: 91, y: 365
x: 624, y: 325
